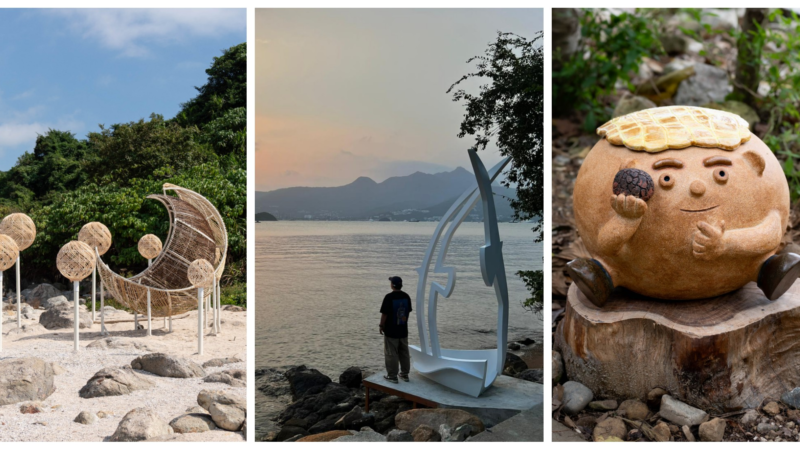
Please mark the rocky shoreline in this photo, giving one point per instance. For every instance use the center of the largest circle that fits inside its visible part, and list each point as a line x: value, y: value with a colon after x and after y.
x: 305, y: 405
x: 125, y: 386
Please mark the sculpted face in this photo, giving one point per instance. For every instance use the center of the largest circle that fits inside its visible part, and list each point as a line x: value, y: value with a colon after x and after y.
x: 690, y: 239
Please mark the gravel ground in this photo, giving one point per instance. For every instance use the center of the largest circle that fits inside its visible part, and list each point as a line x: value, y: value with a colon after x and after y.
x: 170, y: 398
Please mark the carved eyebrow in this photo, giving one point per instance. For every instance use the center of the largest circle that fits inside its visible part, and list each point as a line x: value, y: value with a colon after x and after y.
x: 660, y: 164
x: 717, y: 161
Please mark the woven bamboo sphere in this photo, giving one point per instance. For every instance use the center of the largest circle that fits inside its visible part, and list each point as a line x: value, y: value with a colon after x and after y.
x: 95, y: 234
x: 149, y: 246
x: 8, y: 252
x: 200, y: 273
x: 20, y: 228
x: 75, y: 260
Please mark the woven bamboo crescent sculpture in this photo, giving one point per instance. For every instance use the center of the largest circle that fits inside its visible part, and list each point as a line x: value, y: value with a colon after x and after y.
x: 196, y: 231
x: 8, y: 252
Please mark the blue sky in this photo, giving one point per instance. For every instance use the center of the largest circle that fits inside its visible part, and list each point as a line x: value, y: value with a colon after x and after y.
x: 74, y: 69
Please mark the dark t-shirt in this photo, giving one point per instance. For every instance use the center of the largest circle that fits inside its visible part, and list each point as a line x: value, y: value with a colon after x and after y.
x: 397, y: 306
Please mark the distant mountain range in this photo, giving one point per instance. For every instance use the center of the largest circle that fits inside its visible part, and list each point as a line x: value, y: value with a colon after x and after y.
x: 419, y: 196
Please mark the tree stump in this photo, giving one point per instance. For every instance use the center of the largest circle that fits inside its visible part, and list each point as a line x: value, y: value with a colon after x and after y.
x: 719, y: 354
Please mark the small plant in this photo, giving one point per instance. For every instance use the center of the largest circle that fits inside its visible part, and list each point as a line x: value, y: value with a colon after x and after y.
x: 534, y: 281
x: 610, y: 51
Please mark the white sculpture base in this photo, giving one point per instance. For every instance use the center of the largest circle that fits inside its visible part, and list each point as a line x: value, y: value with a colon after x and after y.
x: 468, y: 371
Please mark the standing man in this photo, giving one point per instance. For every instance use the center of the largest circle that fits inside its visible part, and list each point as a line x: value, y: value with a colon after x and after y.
x: 394, y: 327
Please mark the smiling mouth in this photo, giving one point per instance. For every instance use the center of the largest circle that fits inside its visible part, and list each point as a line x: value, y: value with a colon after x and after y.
x: 699, y: 210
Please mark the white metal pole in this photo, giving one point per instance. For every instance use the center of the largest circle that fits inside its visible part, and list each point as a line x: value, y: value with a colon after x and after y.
x: 170, y: 324
x: 103, y: 330
x: 219, y: 306
x: 149, y: 316
x: 19, y: 298
x: 94, y: 291
x: 76, y: 318
x: 200, y: 327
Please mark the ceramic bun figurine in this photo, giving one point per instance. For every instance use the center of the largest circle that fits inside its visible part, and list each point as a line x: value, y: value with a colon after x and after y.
x: 711, y: 222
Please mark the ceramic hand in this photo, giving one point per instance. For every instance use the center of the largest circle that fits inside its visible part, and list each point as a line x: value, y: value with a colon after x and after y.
x: 628, y: 206
x: 708, y: 242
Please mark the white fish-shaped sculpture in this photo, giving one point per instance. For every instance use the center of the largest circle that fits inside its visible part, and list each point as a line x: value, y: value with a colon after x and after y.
x: 468, y: 371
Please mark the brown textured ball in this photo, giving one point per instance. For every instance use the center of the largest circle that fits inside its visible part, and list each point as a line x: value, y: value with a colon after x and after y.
x: 75, y: 260
x: 149, y: 246
x: 200, y: 273
x: 8, y: 252
x: 95, y: 234
x: 19, y: 227
x: 634, y: 182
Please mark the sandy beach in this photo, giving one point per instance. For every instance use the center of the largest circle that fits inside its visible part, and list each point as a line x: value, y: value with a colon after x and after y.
x: 170, y: 397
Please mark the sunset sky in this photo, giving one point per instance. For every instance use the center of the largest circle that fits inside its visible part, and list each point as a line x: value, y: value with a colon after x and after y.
x: 348, y: 93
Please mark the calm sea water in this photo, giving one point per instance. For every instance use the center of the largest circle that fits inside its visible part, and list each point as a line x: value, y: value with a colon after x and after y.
x: 319, y: 287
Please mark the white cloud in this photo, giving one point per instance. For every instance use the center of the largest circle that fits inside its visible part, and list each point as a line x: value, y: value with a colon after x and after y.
x: 131, y: 30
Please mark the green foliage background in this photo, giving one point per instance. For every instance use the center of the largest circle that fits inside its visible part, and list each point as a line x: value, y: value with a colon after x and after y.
x: 66, y: 182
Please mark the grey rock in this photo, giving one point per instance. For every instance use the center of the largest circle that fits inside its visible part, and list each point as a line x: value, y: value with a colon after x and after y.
x: 196, y: 410
x: 709, y: 84
x: 233, y: 377
x: 676, y: 65
x: 720, y: 19
x: 227, y: 417
x: 674, y: 43
x: 513, y: 346
x: 123, y: 343
x: 140, y: 424
x: 532, y: 375
x: 25, y: 379
x: 62, y: 316
x: 166, y: 365
x: 713, y: 430
x: 765, y: 427
x: 750, y: 417
x: 604, y: 405
x: 792, y: 398
x: 460, y: 434
x: 193, y: 423
x: 112, y: 381
x: 424, y: 433
x: 351, y: 377
x: 576, y: 397
x: 40, y: 294
x: 558, y: 367
x: 630, y: 103
x: 207, y: 397
x: 219, y: 362
x: 399, y: 436
x: 86, y: 418
x: 434, y: 418
x: 54, y: 301
x: 680, y: 413
x: 365, y: 435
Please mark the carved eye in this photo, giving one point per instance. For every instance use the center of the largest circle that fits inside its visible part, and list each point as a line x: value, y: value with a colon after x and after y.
x: 666, y: 180
x: 721, y: 175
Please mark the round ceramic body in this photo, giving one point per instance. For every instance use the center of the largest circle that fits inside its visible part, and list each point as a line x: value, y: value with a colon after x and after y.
x: 658, y: 259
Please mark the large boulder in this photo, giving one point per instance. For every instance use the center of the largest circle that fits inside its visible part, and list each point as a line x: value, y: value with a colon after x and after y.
x: 233, y: 377
x: 140, y: 424
x: 124, y: 343
x: 62, y: 315
x: 53, y: 301
x: 219, y: 362
x: 365, y: 435
x: 208, y: 397
x: 227, y: 417
x: 24, y: 380
x: 351, y: 377
x: 166, y: 365
x: 709, y: 84
x: 193, y: 423
x: 38, y: 295
x: 304, y: 381
x: 435, y: 418
x: 114, y: 381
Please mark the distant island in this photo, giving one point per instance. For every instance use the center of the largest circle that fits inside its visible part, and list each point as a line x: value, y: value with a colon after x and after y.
x: 265, y: 217
x: 419, y: 197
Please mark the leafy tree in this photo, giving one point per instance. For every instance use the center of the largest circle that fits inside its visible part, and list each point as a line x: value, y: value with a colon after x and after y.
x: 509, y: 110
x: 55, y: 165
x: 144, y: 149
x: 227, y: 134
x: 225, y: 89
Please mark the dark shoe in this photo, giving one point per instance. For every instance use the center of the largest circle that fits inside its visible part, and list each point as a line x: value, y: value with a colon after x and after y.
x: 592, y: 279
x: 778, y: 274
x: 390, y: 380
x: 404, y: 377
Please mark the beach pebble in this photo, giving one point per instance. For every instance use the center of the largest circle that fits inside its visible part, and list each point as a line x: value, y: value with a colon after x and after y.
x: 576, y: 397
x: 86, y: 418
x: 140, y: 424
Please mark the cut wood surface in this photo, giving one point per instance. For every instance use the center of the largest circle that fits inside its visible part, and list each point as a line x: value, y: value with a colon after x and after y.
x: 719, y: 354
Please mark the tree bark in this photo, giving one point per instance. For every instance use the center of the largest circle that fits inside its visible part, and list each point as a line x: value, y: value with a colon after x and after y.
x: 720, y: 354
